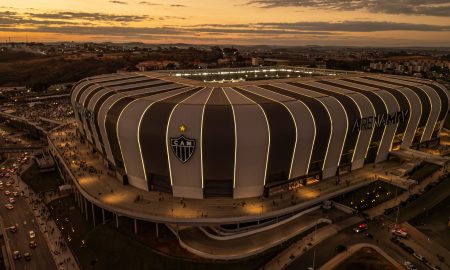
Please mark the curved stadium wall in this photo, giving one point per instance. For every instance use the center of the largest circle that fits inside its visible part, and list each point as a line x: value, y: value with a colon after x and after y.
x: 199, y: 139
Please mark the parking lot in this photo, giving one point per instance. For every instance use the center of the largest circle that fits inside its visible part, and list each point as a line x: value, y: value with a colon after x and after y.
x: 369, y: 196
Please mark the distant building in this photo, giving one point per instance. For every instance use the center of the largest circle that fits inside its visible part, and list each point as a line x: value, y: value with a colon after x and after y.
x: 157, y: 65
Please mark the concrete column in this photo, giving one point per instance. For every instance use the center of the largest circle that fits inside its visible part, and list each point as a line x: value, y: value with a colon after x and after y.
x: 135, y: 226
x: 75, y: 196
x: 93, y: 213
x: 157, y: 229
x: 103, y: 215
x: 117, y: 221
x: 86, y: 209
x: 80, y: 203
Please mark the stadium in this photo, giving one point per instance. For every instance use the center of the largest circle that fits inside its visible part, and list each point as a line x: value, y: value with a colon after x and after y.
x: 242, y: 133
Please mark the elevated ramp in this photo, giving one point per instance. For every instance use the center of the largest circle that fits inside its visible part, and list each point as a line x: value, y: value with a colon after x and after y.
x: 415, y: 154
x: 197, y: 242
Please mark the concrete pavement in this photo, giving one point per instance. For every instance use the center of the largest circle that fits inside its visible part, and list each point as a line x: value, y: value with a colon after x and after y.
x: 22, y: 215
x: 297, y: 249
x: 423, y: 245
x: 109, y: 193
x: 325, y: 251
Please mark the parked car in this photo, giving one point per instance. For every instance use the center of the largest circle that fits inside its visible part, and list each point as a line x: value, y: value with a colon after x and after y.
x: 400, y: 232
x: 420, y: 257
x: 432, y: 266
x: 361, y: 227
x: 11, y: 200
x: 17, y: 255
x: 7, y: 192
x: 27, y: 256
x: 395, y: 239
x: 31, y: 234
x: 9, y: 206
x: 32, y: 244
x: 409, y: 265
x: 408, y: 249
x: 13, y: 228
x: 341, y: 248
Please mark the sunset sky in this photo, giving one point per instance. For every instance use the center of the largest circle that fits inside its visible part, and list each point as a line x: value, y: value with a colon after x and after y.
x: 269, y: 22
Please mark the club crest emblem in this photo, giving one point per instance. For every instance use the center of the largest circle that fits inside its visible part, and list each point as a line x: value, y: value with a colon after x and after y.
x: 183, y: 147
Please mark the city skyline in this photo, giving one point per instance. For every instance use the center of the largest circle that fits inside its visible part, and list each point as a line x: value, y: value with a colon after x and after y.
x: 239, y: 22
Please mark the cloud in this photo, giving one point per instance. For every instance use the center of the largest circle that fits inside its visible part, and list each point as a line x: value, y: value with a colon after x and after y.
x: 357, y: 26
x: 12, y: 19
x: 100, y: 30
x: 162, y: 18
x: 258, y: 31
x: 344, y: 26
x: 148, y: 3
x: 267, y: 30
x: 118, y: 2
x: 409, y: 7
x: 98, y: 20
x: 103, y: 17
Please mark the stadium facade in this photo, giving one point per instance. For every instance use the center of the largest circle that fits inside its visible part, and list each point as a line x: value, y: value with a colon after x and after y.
x: 239, y: 132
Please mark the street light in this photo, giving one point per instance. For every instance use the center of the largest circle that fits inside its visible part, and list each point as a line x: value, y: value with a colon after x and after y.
x: 398, y: 206
x: 314, y: 254
x: 314, y: 259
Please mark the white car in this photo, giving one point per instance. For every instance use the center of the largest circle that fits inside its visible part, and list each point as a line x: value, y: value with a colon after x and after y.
x: 12, y: 200
x: 409, y: 265
x: 17, y: 255
x: 7, y: 192
x: 400, y: 232
x: 9, y: 206
x: 31, y: 234
x: 419, y: 257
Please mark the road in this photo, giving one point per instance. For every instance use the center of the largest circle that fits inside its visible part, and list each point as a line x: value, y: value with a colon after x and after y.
x: 41, y: 257
x: 326, y: 249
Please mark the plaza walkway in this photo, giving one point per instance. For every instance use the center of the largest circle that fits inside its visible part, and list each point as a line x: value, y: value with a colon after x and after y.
x: 106, y: 191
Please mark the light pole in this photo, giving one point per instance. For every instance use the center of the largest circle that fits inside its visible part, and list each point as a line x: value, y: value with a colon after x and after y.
x: 315, y: 230
x: 398, y: 207
x: 314, y: 253
x: 314, y: 259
